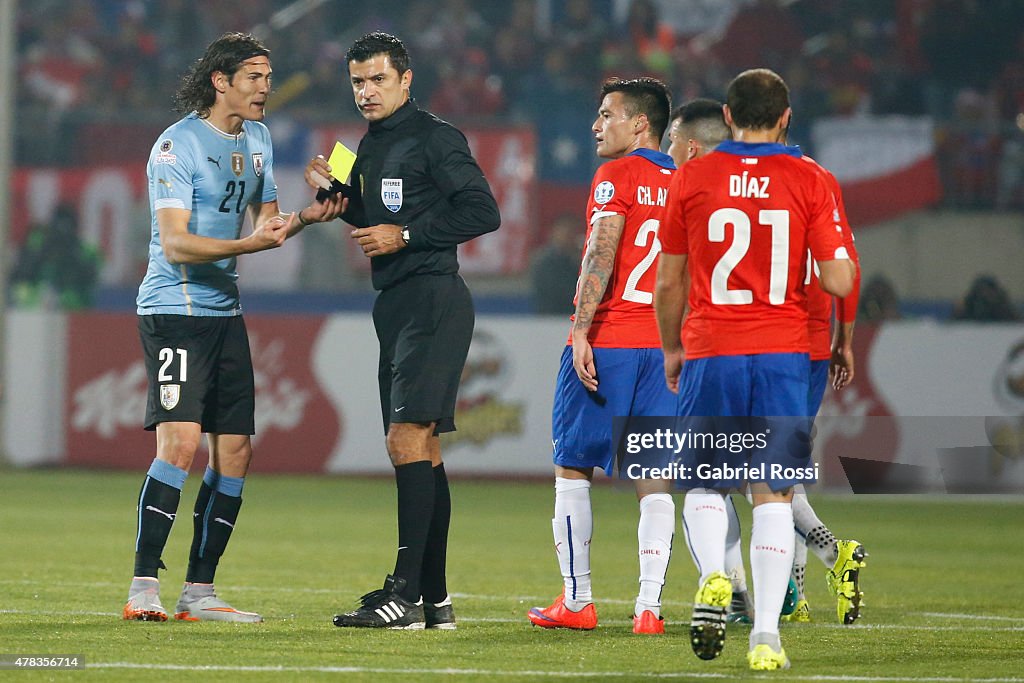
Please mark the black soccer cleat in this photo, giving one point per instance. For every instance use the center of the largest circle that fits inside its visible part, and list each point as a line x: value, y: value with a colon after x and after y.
x: 440, y: 616
x: 385, y: 608
x: 707, y: 625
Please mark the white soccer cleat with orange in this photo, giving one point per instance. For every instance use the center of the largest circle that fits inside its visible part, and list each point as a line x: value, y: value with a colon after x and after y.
x: 209, y: 607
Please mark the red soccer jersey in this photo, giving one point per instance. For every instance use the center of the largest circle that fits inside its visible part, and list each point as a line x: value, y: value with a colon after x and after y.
x: 746, y: 214
x: 636, y: 187
x: 819, y: 302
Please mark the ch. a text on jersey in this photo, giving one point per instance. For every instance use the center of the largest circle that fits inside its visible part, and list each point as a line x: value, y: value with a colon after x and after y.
x: 747, y: 185
x: 646, y: 197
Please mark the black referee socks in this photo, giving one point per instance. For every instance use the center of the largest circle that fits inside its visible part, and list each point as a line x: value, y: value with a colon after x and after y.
x: 433, y: 583
x: 415, y: 483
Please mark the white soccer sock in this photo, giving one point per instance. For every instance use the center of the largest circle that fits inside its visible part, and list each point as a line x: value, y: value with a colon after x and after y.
x: 799, y: 564
x: 654, y: 532
x: 733, y: 549
x: 706, y: 524
x: 818, y: 538
x: 573, y: 526
x: 771, y: 560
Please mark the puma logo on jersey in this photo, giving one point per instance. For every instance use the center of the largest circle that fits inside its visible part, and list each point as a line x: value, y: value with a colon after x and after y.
x: 165, y: 183
x: 748, y: 186
x: 215, y: 162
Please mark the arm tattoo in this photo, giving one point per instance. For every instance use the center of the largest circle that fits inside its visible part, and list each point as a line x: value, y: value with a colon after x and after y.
x: 598, y: 264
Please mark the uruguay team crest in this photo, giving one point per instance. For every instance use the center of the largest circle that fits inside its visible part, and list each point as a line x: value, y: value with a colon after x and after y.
x: 237, y: 163
x: 170, y: 394
x: 257, y: 163
x: 604, y: 192
x: 391, y: 193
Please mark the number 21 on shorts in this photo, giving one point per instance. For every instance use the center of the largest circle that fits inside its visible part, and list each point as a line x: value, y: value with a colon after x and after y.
x: 170, y: 394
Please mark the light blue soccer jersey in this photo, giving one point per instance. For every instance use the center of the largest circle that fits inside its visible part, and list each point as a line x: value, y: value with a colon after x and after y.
x: 217, y: 176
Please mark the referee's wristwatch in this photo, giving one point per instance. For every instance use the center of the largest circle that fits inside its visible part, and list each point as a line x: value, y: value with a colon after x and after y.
x: 405, y: 235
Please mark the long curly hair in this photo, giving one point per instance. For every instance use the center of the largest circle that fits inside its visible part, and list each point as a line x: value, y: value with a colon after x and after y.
x: 226, y: 55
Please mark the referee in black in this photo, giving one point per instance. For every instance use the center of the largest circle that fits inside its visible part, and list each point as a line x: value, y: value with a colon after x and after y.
x: 418, y: 194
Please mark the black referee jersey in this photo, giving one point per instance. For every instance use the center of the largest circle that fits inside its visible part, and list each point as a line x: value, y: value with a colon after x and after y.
x: 415, y: 170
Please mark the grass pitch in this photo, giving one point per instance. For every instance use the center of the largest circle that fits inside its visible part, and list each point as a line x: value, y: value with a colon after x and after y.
x: 942, y: 588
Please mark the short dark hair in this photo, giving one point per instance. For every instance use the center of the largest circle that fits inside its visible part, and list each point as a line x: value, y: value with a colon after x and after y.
x: 757, y: 99
x: 226, y: 55
x: 377, y: 43
x: 704, y: 120
x: 647, y: 96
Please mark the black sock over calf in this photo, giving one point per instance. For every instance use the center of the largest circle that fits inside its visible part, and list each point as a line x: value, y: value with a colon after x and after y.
x: 158, y: 504
x: 433, y: 582
x: 415, y: 483
x: 212, y: 524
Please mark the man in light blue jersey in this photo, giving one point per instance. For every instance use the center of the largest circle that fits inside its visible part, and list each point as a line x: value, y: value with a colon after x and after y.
x: 206, y: 172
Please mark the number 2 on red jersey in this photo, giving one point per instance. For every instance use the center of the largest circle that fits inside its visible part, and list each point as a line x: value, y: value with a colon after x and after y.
x: 649, y: 228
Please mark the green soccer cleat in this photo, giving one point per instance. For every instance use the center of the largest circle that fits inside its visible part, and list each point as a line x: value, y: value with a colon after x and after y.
x: 789, y: 603
x: 707, y: 625
x: 766, y: 653
x: 801, y: 615
x: 764, y: 658
x: 844, y: 580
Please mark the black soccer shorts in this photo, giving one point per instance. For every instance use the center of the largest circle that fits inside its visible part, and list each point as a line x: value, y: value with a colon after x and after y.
x: 424, y: 325
x: 199, y: 370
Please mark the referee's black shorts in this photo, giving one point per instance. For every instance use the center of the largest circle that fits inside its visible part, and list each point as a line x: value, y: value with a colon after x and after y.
x: 424, y: 325
x: 199, y: 370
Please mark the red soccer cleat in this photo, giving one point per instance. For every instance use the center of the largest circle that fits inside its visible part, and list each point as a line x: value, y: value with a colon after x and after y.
x: 648, y: 623
x: 559, y: 616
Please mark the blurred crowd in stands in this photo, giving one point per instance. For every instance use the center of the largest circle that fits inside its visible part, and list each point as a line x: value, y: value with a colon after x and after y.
x: 959, y: 61
x: 102, y: 65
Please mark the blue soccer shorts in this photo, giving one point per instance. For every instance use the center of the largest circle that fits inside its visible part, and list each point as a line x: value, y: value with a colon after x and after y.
x: 759, y: 401
x: 630, y: 382
x: 819, y: 382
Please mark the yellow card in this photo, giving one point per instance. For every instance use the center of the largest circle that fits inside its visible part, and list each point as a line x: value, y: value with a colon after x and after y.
x: 341, y: 161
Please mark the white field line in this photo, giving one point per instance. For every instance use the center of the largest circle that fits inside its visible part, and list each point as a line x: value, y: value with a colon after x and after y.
x: 948, y: 615
x: 604, y: 621
x: 534, y: 600
x: 533, y: 673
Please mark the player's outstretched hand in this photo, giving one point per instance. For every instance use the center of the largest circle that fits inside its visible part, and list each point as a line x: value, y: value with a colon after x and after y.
x: 583, y: 361
x: 271, y: 233
x: 318, y: 173
x: 327, y: 210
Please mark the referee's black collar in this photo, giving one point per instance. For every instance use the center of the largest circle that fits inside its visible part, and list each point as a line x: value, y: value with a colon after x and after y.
x: 401, y: 114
